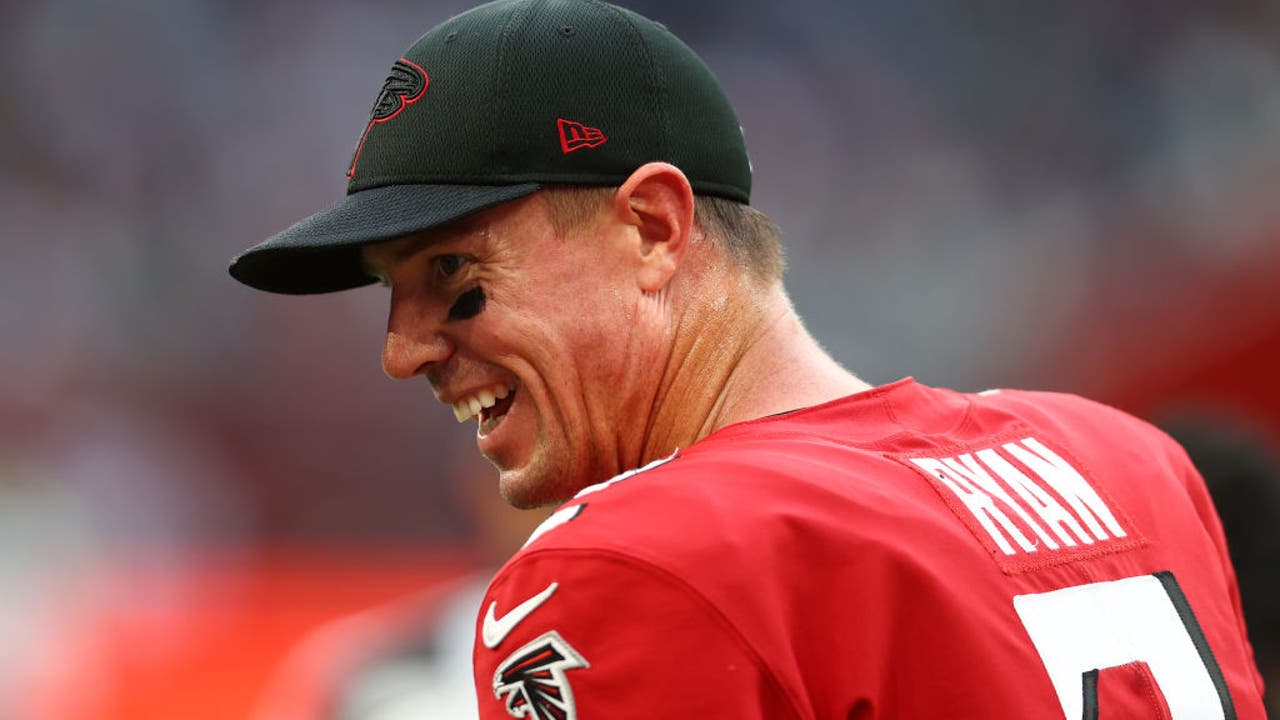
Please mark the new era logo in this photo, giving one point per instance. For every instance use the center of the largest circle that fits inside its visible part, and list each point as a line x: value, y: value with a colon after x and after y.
x: 575, y: 136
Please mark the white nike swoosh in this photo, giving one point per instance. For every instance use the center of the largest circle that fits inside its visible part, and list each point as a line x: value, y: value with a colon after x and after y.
x: 494, y: 630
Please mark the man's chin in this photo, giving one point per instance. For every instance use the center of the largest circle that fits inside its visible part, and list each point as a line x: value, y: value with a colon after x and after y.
x: 527, y: 490
x: 533, y: 486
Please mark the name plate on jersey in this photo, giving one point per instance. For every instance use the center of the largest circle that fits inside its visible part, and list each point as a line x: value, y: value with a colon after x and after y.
x: 1029, y: 504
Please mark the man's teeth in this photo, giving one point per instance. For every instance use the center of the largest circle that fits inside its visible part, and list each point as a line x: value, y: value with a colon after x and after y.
x: 469, y: 407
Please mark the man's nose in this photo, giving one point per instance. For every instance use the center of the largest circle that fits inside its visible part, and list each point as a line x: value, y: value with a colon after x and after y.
x: 413, y: 344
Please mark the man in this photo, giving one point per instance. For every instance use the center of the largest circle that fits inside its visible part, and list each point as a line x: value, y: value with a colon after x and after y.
x: 555, y: 192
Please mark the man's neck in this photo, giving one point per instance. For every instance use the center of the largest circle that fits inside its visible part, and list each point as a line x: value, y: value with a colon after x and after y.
x: 736, y: 362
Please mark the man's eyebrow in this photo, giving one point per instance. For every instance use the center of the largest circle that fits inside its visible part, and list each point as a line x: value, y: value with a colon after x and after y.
x: 382, y: 256
x: 409, y: 249
x: 411, y: 245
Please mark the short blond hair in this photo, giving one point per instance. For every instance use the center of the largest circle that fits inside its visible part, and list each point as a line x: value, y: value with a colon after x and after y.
x: 745, y: 234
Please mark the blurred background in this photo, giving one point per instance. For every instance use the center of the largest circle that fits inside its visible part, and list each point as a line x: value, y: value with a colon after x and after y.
x: 197, y: 480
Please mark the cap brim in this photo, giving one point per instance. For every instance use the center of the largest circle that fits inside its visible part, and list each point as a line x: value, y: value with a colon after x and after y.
x: 322, y: 252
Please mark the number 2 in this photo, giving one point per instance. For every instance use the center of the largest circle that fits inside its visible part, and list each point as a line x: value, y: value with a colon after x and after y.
x: 1146, y: 618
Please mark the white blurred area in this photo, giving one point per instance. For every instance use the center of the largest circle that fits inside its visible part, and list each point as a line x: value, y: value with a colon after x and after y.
x: 1080, y: 196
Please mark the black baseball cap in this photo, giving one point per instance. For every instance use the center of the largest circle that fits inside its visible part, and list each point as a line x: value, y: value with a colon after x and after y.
x: 493, y: 105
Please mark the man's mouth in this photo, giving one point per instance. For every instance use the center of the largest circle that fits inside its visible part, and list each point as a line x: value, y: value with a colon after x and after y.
x: 488, y: 406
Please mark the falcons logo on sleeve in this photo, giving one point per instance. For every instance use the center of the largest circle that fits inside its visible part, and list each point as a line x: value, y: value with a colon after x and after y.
x: 532, y: 683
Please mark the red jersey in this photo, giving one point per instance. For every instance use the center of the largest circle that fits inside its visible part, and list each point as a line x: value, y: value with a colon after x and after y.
x: 905, y: 552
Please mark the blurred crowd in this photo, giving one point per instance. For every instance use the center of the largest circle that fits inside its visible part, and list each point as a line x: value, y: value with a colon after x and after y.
x: 1075, y: 196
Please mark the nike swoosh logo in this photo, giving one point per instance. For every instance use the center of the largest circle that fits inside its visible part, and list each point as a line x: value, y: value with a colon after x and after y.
x: 495, y: 630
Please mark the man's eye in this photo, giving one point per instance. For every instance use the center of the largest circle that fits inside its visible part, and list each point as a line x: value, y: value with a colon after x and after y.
x: 449, y: 265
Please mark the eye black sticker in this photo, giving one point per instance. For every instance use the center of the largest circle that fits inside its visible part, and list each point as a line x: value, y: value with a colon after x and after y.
x: 468, y: 305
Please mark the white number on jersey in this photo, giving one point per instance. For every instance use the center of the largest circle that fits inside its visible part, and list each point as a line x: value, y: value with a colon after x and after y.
x: 1092, y: 627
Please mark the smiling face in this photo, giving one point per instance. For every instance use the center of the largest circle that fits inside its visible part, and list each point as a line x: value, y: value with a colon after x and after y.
x: 543, y: 327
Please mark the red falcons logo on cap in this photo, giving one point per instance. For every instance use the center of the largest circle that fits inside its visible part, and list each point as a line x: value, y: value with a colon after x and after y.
x: 404, y: 86
x: 532, y: 682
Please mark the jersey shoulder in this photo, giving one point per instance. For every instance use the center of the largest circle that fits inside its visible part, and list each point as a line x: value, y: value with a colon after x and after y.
x: 1073, y: 415
x: 1104, y: 429
x: 701, y: 500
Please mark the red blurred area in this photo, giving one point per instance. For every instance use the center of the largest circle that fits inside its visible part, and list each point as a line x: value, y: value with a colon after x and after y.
x: 1199, y: 341
x: 151, y: 641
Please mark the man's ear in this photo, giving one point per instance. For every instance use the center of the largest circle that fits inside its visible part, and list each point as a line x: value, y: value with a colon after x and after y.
x: 657, y: 201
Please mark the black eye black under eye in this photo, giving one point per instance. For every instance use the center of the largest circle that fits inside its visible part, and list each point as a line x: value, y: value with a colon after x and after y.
x: 468, y: 305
